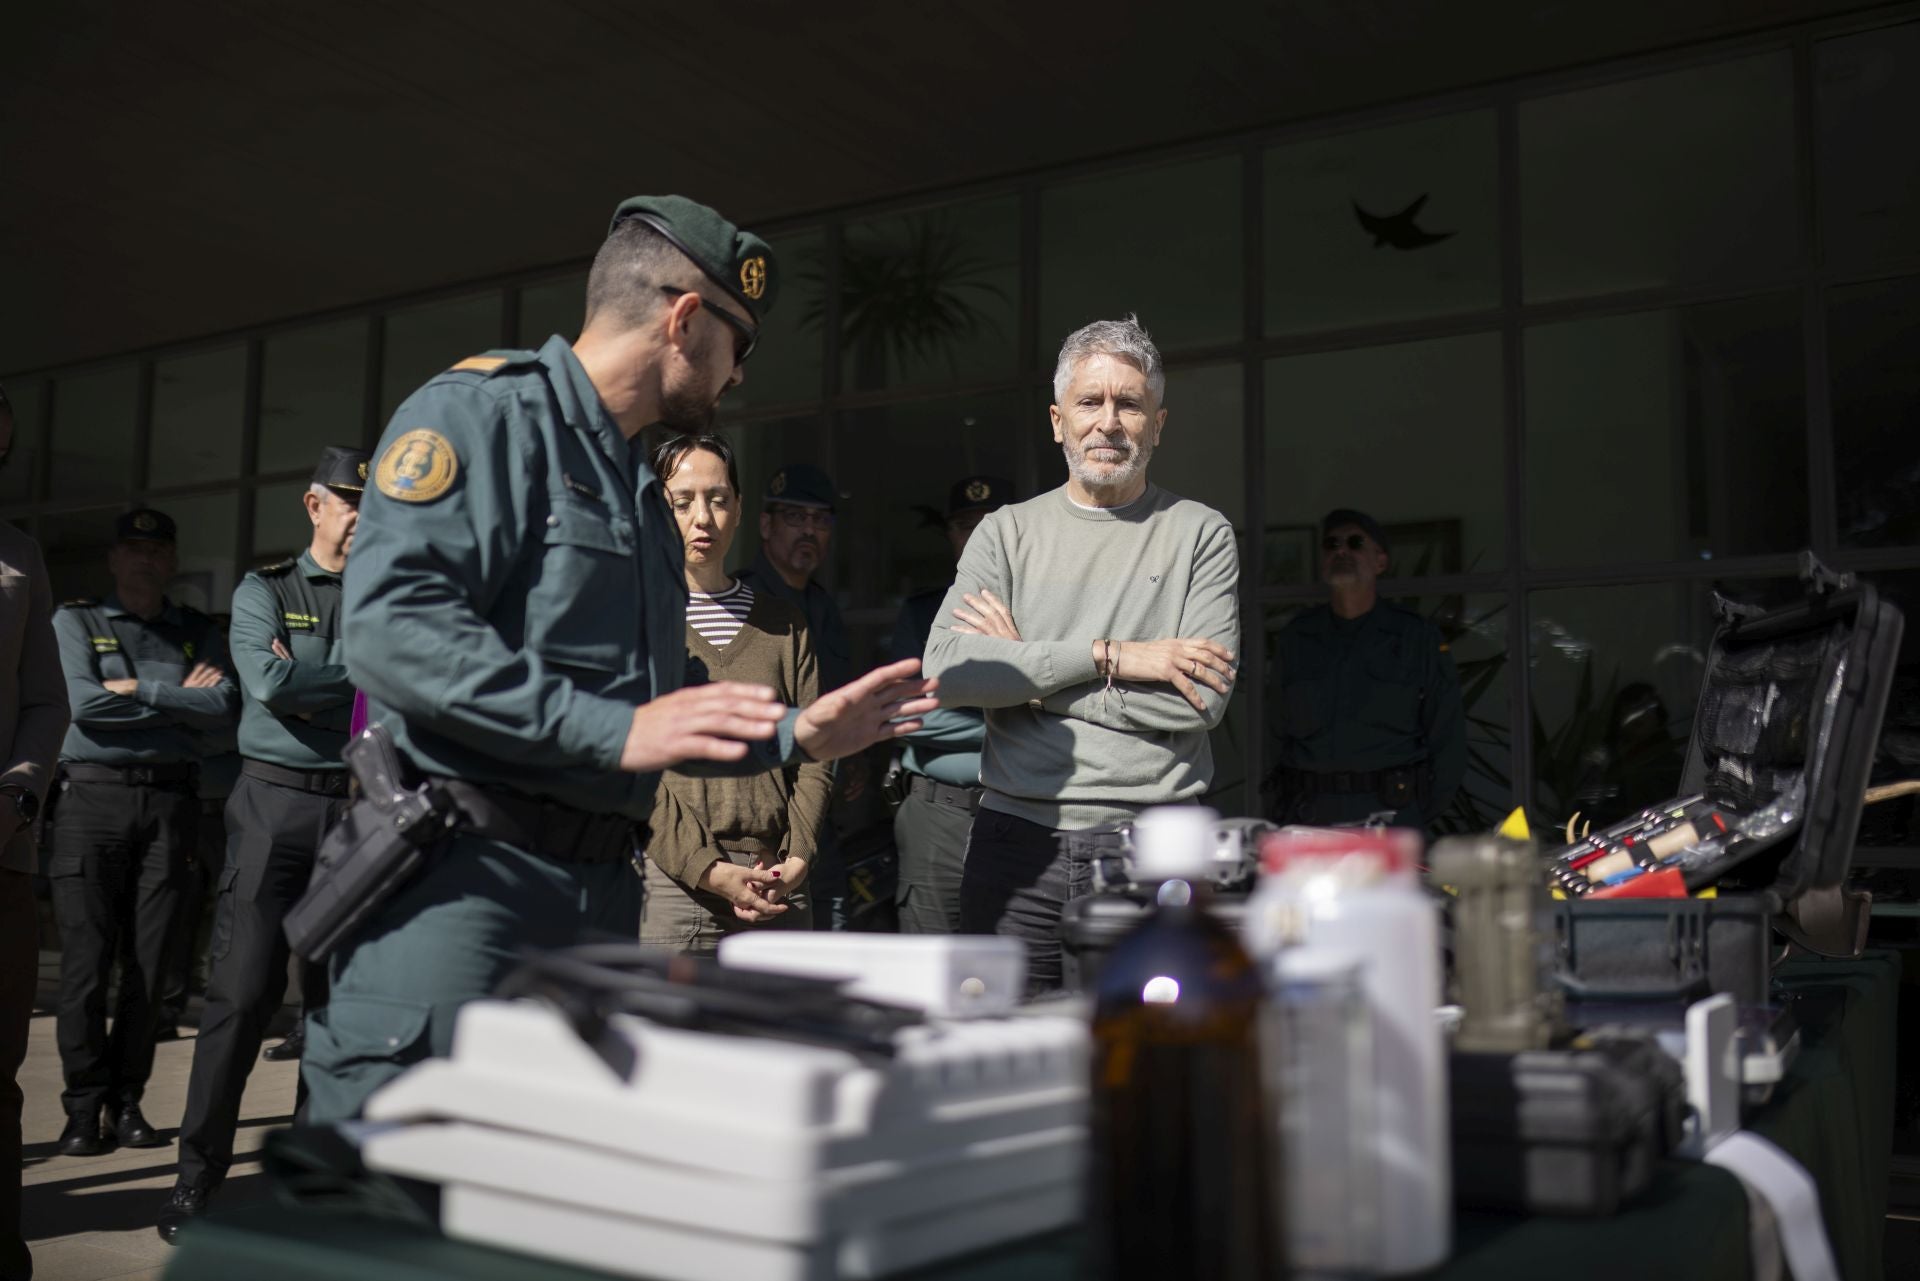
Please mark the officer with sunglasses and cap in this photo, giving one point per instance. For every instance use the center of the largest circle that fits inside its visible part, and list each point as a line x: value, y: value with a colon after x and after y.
x: 1369, y: 713
x: 515, y: 612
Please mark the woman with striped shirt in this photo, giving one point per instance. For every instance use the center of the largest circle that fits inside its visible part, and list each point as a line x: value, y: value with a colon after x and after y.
x: 730, y: 853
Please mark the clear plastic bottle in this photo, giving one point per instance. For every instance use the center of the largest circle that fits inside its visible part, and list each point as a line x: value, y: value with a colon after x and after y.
x: 1184, y: 1159
x: 1352, y: 896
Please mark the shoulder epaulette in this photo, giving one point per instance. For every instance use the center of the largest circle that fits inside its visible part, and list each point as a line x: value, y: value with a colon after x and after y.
x: 492, y: 362
x: 278, y: 567
x: 79, y: 602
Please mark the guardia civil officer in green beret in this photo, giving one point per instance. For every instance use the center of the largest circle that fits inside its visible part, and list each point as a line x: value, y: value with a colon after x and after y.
x: 147, y: 679
x: 285, y: 640
x: 1368, y: 700
x: 515, y: 611
x: 942, y: 758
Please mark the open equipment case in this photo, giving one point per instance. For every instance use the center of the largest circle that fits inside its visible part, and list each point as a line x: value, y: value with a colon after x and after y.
x: 1783, y: 740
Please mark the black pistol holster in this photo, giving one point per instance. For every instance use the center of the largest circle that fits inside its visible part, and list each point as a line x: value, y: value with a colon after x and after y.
x: 380, y: 841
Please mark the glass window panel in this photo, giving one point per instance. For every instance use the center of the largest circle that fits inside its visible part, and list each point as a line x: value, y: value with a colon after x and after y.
x: 312, y: 394
x: 1897, y: 822
x: 281, y: 527
x: 75, y: 544
x: 1410, y: 433
x: 930, y: 296
x: 1614, y: 675
x: 28, y: 398
x: 1873, y: 345
x: 199, y: 402
x: 208, y: 525
x: 552, y: 307
x: 431, y: 339
x: 1164, y: 243
x: 1667, y: 435
x: 1670, y: 179
x: 1201, y: 449
x: 1475, y: 627
x: 1869, y: 175
x: 1326, y: 268
x: 93, y: 432
x: 787, y: 365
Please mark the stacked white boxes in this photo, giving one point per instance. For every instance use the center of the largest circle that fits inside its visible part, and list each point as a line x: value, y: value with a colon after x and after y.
x: 735, y: 1158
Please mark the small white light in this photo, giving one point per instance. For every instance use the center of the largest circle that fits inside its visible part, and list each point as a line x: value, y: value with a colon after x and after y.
x: 1161, y: 990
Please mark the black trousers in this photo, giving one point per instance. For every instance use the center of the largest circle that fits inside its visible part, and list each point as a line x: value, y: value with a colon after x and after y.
x: 272, y: 834
x: 118, y: 869
x: 19, y: 964
x: 1018, y: 880
x: 930, y: 829
x: 196, y: 903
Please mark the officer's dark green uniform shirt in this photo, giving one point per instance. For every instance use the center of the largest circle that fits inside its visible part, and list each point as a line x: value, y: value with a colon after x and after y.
x: 525, y: 590
x: 295, y: 714
x: 831, y: 648
x: 162, y: 722
x: 1370, y: 693
x: 947, y: 746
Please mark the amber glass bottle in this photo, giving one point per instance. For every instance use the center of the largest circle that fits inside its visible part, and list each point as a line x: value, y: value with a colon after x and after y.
x: 1183, y: 1172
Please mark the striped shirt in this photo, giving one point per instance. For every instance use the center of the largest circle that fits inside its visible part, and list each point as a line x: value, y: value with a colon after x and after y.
x: 718, y: 617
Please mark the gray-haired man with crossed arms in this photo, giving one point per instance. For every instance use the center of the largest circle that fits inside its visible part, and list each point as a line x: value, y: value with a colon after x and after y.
x: 1098, y: 625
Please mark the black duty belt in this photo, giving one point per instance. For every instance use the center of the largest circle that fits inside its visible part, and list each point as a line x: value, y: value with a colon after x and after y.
x: 176, y: 775
x: 321, y: 782
x: 963, y: 798
x: 1330, y: 782
x: 546, y: 829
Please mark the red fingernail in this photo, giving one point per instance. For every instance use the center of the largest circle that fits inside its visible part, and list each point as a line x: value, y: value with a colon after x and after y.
x: 776, y: 874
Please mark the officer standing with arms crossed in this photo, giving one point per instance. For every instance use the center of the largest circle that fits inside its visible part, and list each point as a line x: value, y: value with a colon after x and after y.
x: 516, y: 612
x: 146, y: 679
x: 1370, y: 716
x: 285, y: 643
x: 942, y: 758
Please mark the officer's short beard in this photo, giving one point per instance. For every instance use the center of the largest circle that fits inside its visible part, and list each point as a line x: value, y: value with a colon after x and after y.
x: 686, y: 407
x: 1106, y: 476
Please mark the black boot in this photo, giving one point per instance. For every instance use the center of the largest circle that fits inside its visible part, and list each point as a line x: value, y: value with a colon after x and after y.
x: 187, y: 1202
x: 132, y: 1129
x: 83, y: 1137
x: 292, y: 1048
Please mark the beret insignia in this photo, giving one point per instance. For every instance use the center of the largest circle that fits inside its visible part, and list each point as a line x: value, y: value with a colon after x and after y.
x: 753, y: 277
x: 418, y: 467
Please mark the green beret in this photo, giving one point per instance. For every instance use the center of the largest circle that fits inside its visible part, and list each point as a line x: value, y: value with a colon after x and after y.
x: 738, y: 261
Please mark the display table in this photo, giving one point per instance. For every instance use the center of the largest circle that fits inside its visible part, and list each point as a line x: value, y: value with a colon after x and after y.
x: 1833, y: 1113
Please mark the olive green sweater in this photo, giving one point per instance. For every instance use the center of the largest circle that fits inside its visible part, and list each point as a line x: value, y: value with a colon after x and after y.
x: 776, y: 814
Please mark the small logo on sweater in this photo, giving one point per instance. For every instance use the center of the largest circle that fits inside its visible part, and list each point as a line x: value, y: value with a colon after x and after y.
x: 1153, y: 578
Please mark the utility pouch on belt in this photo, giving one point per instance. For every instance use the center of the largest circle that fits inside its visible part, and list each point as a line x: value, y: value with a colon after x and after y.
x: 380, y: 841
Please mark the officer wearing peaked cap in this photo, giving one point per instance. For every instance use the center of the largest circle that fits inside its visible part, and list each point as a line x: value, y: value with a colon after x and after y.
x: 1370, y: 718
x: 147, y: 679
x: 285, y: 641
x: 941, y: 763
x: 515, y: 606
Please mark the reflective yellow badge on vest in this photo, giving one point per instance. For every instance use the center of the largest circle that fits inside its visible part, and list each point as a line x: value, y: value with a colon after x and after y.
x: 417, y: 468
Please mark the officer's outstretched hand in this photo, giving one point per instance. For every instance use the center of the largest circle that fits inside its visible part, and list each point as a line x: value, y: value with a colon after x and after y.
x: 880, y: 705
x: 701, y: 723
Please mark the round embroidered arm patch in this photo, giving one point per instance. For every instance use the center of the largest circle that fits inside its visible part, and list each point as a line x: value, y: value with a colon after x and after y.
x: 417, y: 468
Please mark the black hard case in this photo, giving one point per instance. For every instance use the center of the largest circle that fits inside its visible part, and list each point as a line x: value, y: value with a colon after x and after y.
x: 1563, y: 1131
x: 1826, y: 665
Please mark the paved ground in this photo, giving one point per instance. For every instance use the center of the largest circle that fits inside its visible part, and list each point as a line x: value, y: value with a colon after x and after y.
x: 90, y: 1218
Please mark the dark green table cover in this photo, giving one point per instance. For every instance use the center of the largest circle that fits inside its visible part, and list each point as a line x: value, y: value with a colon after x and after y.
x: 1833, y: 1113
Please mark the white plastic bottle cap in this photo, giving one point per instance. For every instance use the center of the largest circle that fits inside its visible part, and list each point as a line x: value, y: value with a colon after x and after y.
x: 1174, y: 842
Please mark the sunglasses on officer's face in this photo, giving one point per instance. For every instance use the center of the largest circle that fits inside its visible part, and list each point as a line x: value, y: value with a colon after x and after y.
x: 745, y: 336
x: 1352, y: 542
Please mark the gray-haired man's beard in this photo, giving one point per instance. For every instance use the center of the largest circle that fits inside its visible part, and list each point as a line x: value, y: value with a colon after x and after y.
x: 1106, y: 475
